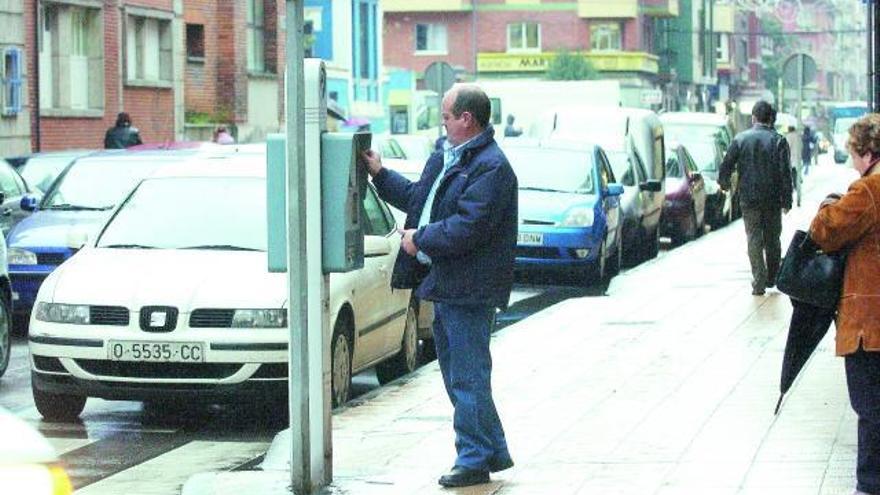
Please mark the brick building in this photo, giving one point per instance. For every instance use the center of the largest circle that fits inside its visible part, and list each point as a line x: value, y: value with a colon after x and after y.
x: 518, y: 38
x: 95, y: 58
x: 234, y: 69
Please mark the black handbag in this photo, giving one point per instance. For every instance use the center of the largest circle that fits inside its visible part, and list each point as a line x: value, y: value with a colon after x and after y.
x: 810, y: 275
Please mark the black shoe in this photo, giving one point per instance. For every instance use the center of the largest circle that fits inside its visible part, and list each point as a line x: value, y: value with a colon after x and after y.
x: 757, y: 292
x: 496, y: 463
x: 460, y: 476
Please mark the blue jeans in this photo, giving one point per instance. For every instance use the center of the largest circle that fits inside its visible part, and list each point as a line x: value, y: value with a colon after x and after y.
x: 461, y: 336
x: 863, y: 382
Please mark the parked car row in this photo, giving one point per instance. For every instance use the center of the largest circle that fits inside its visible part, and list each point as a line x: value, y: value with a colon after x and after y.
x: 146, y: 277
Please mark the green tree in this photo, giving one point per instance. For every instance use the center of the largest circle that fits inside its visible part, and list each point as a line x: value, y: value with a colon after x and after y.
x: 567, y: 66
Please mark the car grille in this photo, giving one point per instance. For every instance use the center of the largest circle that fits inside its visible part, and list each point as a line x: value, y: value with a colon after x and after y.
x: 108, y: 315
x: 51, y: 258
x: 537, y: 252
x: 50, y: 364
x: 158, y: 370
x: 271, y: 370
x: 211, y: 318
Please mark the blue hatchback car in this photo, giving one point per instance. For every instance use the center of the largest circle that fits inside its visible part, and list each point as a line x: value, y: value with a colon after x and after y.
x: 569, y: 209
x: 74, y: 207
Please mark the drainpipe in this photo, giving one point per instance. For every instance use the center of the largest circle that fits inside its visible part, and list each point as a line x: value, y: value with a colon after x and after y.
x: 474, y: 35
x: 36, y: 86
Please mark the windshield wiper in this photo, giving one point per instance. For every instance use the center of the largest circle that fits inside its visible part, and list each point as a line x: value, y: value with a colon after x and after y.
x: 542, y: 189
x: 128, y: 246
x: 70, y: 207
x: 221, y: 247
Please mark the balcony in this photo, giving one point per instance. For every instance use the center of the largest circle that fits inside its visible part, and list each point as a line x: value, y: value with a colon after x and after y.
x: 660, y: 8
x: 609, y: 9
x: 426, y: 5
x: 633, y: 62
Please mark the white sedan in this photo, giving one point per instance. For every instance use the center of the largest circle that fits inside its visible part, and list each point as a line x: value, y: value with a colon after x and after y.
x: 174, y: 300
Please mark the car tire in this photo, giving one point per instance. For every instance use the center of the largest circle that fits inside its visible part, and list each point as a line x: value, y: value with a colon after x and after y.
x: 652, y: 244
x: 5, y: 335
x: 407, y: 359
x: 58, y: 407
x: 617, y: 262
x: 597, y: 272
x: 340, y: 361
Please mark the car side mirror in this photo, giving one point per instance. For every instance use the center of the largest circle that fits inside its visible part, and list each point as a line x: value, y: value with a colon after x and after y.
x: 28, y: 202
x: 650, y: 186
x: 614, y: 189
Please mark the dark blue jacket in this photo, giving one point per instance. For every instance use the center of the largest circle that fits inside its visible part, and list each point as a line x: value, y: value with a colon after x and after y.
x: 471, y: 236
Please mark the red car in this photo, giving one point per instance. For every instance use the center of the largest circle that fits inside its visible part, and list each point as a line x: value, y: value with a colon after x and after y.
x: 684, y: 211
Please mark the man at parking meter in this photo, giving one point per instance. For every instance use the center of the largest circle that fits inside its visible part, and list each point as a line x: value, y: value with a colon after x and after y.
x: 458, y: 251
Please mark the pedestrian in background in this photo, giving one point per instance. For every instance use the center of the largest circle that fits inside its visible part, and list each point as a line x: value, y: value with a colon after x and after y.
x: 795, y: 148
x: 762, y: 159
x: 458, y: 251
x: 853, y: 221
x: 809, y: 144
x: 123, y: 134
x: 511, y: 130
x: 222, y: 136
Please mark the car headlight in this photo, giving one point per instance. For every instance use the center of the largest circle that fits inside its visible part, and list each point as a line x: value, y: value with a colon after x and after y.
x: 18, y: 256
x: 578, y: 217
x: 63, y: 313
x: 259, y: 318
x: 34, y: 479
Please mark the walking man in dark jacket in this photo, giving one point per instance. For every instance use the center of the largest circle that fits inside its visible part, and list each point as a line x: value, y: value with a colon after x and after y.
x: 761, y: 157
x: 458, y: 251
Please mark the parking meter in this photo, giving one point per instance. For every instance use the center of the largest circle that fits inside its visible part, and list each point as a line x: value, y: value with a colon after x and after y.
x: 343, y: 185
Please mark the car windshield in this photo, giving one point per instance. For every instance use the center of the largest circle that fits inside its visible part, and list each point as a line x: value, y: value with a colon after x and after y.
x: 691, y: 132
x: 620, y: 166
x: 40, y: 171
x: 544, y: 169
x: 842, y: 125
x: 97, y: 184
x: 703, y: 153
x: 222, y: 213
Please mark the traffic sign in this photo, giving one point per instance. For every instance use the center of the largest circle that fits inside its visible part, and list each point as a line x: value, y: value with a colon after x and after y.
x: 439, y: 77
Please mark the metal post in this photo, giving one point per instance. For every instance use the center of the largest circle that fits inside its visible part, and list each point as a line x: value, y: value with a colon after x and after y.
x: 875, y: 79
x: 869, y: 45
x: 300, y: 427
x: 36, y: 87
x: 800, y: 102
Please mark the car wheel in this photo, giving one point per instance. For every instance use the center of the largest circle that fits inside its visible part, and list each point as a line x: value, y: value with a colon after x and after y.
x: 5, y: 336
x: 596, y: 272
x: 618, y: 259
x: 58, y: 407
x: 406, y: 360
x: 341, y: 361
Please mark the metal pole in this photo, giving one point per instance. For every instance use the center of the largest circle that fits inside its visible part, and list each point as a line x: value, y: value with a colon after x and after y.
x: 800, y: 102
x: 875, y: 79
x: 300, y: 427
x: 474, y: 35
x: 869, y: 45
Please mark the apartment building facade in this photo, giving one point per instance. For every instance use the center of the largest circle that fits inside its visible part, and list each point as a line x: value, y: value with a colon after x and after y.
x: 87, y: 60
x: 14, y: 108
x: 518, y: 38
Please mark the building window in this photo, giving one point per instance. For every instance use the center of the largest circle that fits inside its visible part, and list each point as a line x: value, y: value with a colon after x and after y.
x: 195, y: 42
x: 256, y: 36
x: 431, y: 38
x: 524, y: 37
x: 71, y: 57
x: 148, y: 49
x: 722, y: 47
x: 605, y: 37
x: 11, y: 79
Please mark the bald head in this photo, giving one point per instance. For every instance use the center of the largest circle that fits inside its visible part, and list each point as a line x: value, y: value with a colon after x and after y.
x: 470, y: 98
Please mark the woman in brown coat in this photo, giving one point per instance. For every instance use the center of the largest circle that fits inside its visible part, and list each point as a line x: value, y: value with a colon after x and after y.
x: 853, y: 221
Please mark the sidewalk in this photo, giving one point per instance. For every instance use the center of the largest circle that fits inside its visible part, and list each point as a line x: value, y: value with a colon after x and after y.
x: 665, y: 386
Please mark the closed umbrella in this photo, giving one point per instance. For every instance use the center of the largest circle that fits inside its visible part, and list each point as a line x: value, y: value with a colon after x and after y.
x: 808, y: 326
